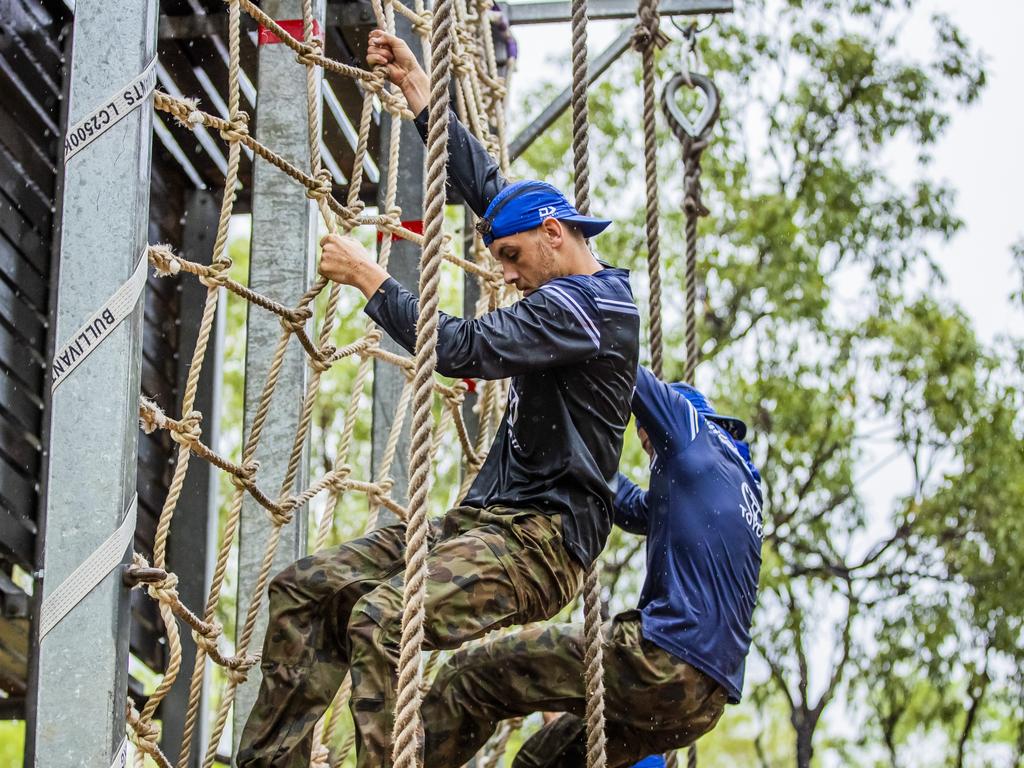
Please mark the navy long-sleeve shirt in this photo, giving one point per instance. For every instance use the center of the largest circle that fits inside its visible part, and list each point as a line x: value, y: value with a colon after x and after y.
x: 702, y: 518
x: 571, y: 350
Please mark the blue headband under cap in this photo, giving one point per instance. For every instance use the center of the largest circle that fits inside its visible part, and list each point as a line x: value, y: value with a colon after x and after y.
x: 524, y: 205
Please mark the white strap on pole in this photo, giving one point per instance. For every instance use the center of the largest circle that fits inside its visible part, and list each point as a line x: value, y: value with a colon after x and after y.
x: 112, y: 111
x: 89, y: 574
x: 100, y: 325
x: 121, y: 756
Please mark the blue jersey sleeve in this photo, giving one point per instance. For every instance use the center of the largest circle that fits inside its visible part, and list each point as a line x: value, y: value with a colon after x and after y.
x: 554, y: 326
x: 630, y: 506
x: 670, y: 421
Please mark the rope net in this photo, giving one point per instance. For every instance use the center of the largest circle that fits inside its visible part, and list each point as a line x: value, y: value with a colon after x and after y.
x: 458, y: 38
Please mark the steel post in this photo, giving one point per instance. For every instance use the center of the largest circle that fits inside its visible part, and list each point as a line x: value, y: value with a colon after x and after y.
x: 284, y: 227
x: 81, y: 689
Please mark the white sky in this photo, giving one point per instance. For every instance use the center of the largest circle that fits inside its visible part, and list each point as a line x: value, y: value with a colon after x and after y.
x: 981, y: 154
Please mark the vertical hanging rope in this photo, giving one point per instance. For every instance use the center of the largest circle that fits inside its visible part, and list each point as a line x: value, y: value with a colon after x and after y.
x: 694, y: 139
x: 645, y: 39
x: 580, y: 118
x: 406, y: 754
x: 593, y: 660
x: 694, y: 209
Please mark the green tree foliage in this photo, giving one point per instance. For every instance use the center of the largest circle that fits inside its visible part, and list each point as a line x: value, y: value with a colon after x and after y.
x: 889, y: 624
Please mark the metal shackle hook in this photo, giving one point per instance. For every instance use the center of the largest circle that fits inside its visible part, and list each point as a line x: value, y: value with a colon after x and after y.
x: 679, y: 122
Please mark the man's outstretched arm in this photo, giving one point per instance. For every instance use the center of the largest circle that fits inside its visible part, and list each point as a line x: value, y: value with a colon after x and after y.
x: 630, y: 506
x: 472, y: 172
x: 555, y: 325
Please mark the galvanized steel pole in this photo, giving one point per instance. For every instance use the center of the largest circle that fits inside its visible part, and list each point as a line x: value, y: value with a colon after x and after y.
x: 83, y: 662
x: 284, y: 227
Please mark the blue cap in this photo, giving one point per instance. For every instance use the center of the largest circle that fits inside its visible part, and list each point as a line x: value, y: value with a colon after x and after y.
x: 522, y: 206
x: 735, y: 427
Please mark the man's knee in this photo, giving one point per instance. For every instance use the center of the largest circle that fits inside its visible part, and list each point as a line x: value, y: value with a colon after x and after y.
x: 376, y: 620
x: 287, y: 586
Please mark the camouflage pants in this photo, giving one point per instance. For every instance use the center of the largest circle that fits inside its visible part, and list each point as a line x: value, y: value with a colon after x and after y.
x: 653, y: 701
x: 340, y: 611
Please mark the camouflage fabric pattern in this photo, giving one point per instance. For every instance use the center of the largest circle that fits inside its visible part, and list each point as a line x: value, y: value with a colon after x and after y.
x: 340, y: 611
x: 653, y: 701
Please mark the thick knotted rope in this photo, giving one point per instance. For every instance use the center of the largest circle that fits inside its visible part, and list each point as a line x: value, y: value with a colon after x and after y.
x: 645, y: 40
x: 405, y: 753
x: 593, y: 661
x: 693, y: 208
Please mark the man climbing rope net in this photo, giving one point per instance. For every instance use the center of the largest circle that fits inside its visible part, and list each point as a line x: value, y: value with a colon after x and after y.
x: 672, y: 664
x: 516, y: 548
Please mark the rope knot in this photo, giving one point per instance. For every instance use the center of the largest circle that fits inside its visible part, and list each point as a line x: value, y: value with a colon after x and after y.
x: 208, y: 640
x: 339, y: 478
x: 216, y: 274
x: 422, y: 25
x: 461, y: 64
x: 323, y: 185
x: 236, y: 676
x: 145, y: 734
x: 165, y: 591
x: 378, y: 80
x: 295, y: 321
x: 349, y: 216
x: 283, y: 512
x: 246, y: 475
x: 165, y: 263
x: 324, y: 360
x: 393, y: 216
x: 381, y: 491
x: 237, y: 128
x: 237, y: 667
x: 312, y: 52
x: 189, y: 430
x: 648, y: 32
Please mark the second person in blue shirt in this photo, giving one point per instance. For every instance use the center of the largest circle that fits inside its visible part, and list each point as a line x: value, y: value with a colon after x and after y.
x: 672, y: 664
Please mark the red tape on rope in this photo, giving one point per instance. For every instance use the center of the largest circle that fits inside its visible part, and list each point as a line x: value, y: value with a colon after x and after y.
x: 413, y: 226
x: 292, y: 26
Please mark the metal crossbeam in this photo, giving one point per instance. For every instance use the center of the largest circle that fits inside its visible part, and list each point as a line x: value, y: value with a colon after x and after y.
x: 561, y: 102
x: 360, y: 12
x: 553, y: 13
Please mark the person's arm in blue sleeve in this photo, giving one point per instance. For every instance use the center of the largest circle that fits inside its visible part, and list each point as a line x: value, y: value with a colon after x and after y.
x: 630, y: 506
x: 668, y: 418
x: 553, y: 326
x: 472, y: 172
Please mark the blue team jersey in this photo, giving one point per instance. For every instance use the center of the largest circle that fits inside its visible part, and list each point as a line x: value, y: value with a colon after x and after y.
x: 702, y: 518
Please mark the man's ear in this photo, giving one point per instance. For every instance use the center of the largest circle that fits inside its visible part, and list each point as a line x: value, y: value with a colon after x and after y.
x: 554, y: 231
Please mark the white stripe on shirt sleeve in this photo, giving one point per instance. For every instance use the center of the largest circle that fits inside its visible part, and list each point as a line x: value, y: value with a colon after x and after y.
x: 570, y: 303
x: 618, y: 306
